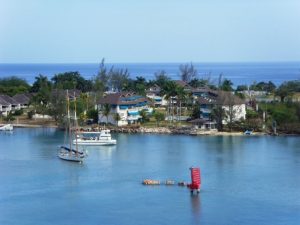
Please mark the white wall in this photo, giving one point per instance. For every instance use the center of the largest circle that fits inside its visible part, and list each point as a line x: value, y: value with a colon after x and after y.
x: 239, y: 112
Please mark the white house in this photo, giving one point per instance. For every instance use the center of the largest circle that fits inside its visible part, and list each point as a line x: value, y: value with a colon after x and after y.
x: 154, y: 94
x: 126, y: 104
x: 231, y: 104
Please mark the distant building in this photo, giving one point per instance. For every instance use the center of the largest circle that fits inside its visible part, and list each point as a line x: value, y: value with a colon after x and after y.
x: 154, y: 93
x: 23, y: 99
x: 226, y: 100
x: 126, y: 104
x: 8, y: 104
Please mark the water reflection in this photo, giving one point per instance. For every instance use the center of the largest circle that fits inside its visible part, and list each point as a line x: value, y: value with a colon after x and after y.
x: 196, y: 207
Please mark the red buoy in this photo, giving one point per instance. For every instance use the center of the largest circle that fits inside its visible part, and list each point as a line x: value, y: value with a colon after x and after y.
x: 196, y: 180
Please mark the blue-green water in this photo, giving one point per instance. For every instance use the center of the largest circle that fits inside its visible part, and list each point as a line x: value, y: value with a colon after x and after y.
x: 245, y: 180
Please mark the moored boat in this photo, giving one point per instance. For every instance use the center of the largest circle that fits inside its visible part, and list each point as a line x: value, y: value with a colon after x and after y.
x: 70, y: 153
x: 7, y: 127
x: 95, y: 138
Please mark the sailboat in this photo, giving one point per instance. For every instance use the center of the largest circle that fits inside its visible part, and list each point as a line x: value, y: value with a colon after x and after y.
x: 68, y: 152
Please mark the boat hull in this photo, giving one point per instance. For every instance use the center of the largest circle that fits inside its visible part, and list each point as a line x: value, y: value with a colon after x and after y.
x: 70, y: 158
x: 68, y: 154
x: 94, y: 142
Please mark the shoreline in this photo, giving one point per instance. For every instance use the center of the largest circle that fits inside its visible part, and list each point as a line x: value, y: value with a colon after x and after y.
x: 156, y: 130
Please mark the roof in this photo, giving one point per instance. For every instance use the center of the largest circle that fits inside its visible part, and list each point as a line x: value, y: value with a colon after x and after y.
x: 183, y: 84
x: 154, y: 89
x: 3, y: 102
x: 122, y: 98
x: 222, y: 98
x: 9, y: 100
x: 22, y: 98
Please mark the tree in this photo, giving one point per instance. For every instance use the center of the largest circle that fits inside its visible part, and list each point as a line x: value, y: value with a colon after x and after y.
x: 169, y: 91
x: 181, y: 97
x: 13, y: 85
x: 40, y: 83
x: 117, y: 117
x: 92, y: 114
x: 57, y: 106
x: 118, y: 78
x: 72, y: 80
x: 218, y: 114
x: 242, y: 88
x: 161, y: 78
x: 226, y: 85
x: 187, y: 72
x: 287, y: 89
x: 158, y: 117
x: 106, y: 111
x: 196, y: 83
x: 43, y: 96
x: 144, y: 116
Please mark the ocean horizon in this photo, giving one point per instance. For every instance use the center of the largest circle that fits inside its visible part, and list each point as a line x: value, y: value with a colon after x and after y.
x: 237, y: 72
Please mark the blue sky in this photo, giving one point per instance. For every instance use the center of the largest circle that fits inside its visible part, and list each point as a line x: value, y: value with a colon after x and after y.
x: 37, y: 31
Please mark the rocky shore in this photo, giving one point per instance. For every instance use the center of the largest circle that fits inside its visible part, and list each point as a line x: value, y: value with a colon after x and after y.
x: 183, y: 131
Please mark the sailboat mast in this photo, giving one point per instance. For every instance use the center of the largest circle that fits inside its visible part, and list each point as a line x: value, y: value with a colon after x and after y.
x: 69, y: 122
x: 76, y: 125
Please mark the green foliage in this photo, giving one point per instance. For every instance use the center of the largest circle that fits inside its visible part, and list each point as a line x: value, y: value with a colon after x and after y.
x: 287, y: 89
x: 106, y: 111
x: 263, y: 86
x: 138, y: 85
x: 13, y: 85
x: 92, y: 114
x: 117, y: 117
x: 9, y: 117
x: 242, y: 88
x: 145, y: 117
x: 198, y: 83
x: 40, y: 83
x: 226, y: 85
x: 18, y: 112
x: 195, y: 112
x: 159, y: 116
x: 284, y: 112
x: 218, y: 114
x: 72, y: 80
x: 250, y: 114
x: 57, y: 106
x: 30, y: 114
x: 161, y: 78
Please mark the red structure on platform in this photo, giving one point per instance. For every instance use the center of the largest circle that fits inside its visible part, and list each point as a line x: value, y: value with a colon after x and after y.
x: 196, y: 180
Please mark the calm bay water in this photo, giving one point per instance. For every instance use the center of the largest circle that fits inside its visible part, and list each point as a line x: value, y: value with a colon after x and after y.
x: 239, y: 73
x: 246, y: 180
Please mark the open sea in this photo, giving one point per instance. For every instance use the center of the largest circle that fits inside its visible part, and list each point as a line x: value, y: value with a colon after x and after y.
x: 239, y: 73
x: 245, y: 180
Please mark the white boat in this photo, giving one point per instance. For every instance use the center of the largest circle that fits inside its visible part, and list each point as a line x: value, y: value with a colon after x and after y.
x: 7, y: 127
x: 95, y: 138
x: 69, y: 153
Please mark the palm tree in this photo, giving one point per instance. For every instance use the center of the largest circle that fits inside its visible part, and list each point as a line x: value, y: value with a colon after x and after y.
x: 181, y: 96
x: 144, y: 115
x: 106, y: 111
x: 117, y: 117
x: 169, y: 90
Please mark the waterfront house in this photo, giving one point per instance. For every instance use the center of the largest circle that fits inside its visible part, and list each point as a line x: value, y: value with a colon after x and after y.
x: 127, y: 104
x: 154, y: 94
x: 5, y: 107
x: 8, y: 104
x: 229, y: 102
x: 23, y: 99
